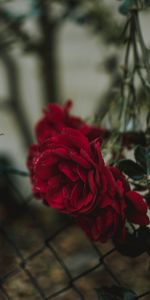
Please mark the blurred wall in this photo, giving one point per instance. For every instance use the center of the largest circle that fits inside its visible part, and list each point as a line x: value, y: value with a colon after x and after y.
x: 81, y: 77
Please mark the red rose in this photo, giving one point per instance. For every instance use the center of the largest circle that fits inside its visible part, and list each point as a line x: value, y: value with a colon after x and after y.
x: 131, y: 138
x: 57, y: 117
x: 66, y: 171
x: 107, y: 224
x: 136, y: 206
x: 109, y: 218
x: 120, y: 204
x: 31, y: 161
x: 69, y: 173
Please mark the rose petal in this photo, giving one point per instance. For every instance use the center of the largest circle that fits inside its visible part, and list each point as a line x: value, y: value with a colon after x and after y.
x: 87, y: 203
x: 91, y: 181
x: 119, y: 176
x: 72, y: 138
x: 82, y: 173
x: 55, y: 198
x: 137, y: 201
x: 106, y: 202
x: 69, y: 170
x: 139, y: 219
x: 79, y: 160
x: 97, y: 147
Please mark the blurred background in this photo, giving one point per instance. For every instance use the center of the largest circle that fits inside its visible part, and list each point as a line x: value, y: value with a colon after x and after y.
x: 52, y: 51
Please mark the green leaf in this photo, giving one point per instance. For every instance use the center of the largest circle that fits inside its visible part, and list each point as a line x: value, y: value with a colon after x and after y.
x: 125, y: 7
x: 133, y: 246
x: 104, y: 295
x: 147, y: 197
x: 115, y: 293
x: 132, y: 169
x: 140, y: 156
x: 144, y: 233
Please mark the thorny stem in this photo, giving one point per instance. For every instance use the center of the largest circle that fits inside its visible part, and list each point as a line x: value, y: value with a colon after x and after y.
x: 143, y: 47
x: 128, y: 100
x: 10, y: 170
x: 146, y: 61
x: 123, y: 87
x: 128, y: 91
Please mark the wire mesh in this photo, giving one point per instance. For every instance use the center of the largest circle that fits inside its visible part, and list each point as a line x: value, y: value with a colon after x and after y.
x: 46, y: 256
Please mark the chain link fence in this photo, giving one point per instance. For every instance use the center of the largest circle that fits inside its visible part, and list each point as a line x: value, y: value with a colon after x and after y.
x: 44, y: 255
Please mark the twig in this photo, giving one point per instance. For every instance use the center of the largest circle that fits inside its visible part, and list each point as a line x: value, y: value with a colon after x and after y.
x: 9, y: 170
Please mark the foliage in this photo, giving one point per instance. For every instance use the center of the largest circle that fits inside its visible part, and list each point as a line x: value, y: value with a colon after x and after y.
x: 115, y: 293
x: 128, y: 106
x: 136, y: 243
x: 128, y: 5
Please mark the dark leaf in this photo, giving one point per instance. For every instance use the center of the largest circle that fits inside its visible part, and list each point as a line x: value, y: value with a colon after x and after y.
x: 147, y: 197
x: 115, y: 293
x: 140, y: 156
x: 132, y: 169
x: 126, y: 6
x: 144, y: 234
x: 133, y: 245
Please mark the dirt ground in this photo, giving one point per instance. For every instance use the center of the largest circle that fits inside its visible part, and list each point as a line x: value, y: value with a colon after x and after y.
x: 41, y: 260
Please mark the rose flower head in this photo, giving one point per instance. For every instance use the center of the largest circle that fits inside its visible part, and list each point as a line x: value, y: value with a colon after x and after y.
x: 57, y: 117
x: 136, y: 206
x: 69, y: 173
x: 64, y: 169
x: 117, y: 206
